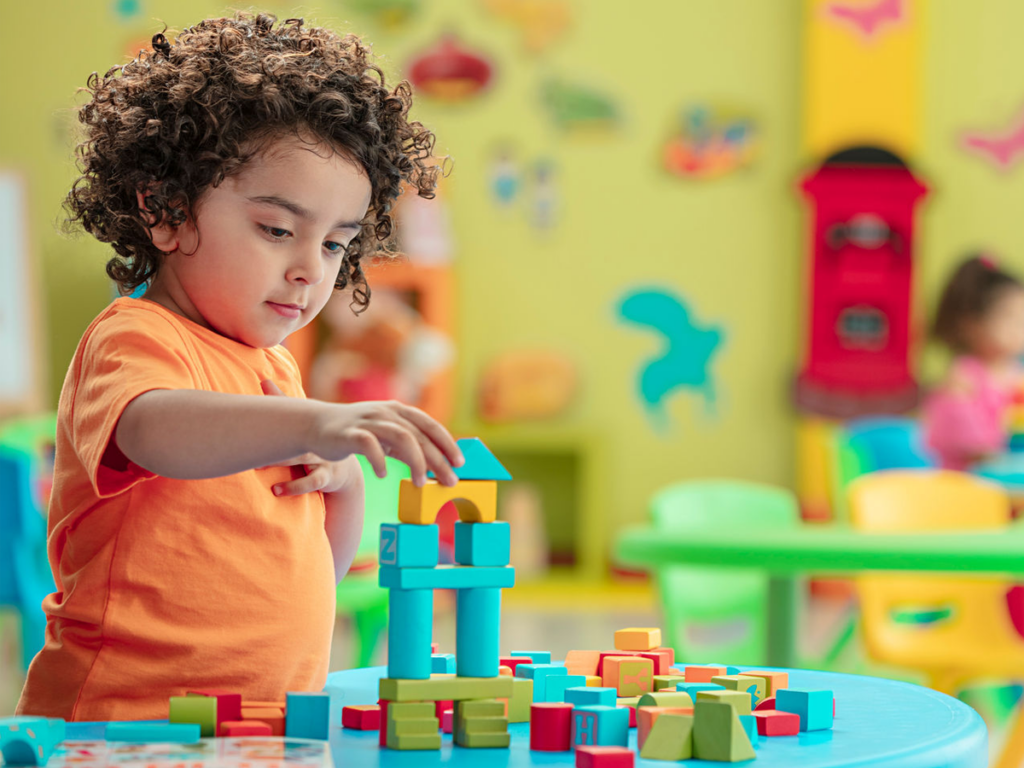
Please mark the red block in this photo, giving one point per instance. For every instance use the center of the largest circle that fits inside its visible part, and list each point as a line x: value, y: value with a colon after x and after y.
x: 663, y: 659
x: 632, y: 714
x: 551, y: 726
x: 361, y: 718
x: 603, y: 757
x: 383, y: 722
x: 514, y: 661
x: 229, y: 704
x: 768, y: 703
x: 434, y: 647
x: 441, y: 706
x: 774, y: 723
x: 244, y: 728
x: 447, y: 718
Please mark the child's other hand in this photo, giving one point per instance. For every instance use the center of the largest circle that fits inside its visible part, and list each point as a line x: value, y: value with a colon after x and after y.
x: 380, y: 429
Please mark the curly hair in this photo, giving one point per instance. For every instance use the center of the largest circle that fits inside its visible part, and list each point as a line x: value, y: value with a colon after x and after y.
x: 181, y: 118
x: 975, y: 285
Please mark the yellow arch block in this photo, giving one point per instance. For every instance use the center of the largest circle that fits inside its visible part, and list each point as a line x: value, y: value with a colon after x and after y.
x: 476, y: 500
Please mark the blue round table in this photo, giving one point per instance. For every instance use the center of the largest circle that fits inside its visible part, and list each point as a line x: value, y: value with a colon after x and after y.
x: 879, y: 723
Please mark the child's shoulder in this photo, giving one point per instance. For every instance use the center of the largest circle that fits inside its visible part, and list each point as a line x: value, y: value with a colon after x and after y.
x: 126, y: 317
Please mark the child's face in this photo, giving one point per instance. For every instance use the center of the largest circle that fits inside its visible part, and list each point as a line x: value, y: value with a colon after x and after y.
x: 267, y: 245
x: 1001, y: 331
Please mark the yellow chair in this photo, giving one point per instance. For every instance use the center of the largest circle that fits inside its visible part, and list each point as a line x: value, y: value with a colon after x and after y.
x: 952, y: 629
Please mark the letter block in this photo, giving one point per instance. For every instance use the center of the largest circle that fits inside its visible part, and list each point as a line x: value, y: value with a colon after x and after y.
x: 409, y: 546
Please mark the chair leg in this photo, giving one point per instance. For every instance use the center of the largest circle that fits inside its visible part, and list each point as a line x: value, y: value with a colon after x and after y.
x: 1012, y: 755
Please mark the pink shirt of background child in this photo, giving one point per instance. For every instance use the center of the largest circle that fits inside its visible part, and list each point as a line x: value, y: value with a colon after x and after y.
x: 961, y: 427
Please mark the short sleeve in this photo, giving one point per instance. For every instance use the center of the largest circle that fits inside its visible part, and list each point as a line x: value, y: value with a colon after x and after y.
x: 123, y: 355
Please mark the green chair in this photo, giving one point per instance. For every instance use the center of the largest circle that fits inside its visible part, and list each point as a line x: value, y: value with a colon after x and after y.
x: 711, y: 614
x: 359, y: 596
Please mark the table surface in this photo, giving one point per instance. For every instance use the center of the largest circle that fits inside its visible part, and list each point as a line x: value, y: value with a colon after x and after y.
x: 827, y: 549
x: 880, y: 723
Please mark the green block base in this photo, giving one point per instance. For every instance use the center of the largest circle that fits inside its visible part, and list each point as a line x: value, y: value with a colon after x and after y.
x: 483, y: 740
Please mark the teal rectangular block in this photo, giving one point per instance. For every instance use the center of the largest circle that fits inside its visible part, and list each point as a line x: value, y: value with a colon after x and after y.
x: 813, y: 707
x: 443, y: 663
x: 307, y: 715
x: 447, y: 577
x: 410, y: 629
x: 537, y: 657
x: 600, y: 726
x: 539, y: 673
x: 556, y: 685
x: 404, y: 545
x: 175, y: 733
x: 482, y: 543
x: 588, y: 696
x: 477, y: 630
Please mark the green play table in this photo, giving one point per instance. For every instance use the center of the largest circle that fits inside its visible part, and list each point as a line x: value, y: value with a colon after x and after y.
x: 821, y: 549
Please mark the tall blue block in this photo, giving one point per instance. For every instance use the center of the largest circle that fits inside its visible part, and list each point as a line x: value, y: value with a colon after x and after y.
x: 410, y: 629
x: 405, y: 545
x: 477, y: 629
x: 482, y: 543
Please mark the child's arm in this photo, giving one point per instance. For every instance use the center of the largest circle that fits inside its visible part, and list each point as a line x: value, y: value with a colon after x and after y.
x: 344, y: 521
x: 192, y: 434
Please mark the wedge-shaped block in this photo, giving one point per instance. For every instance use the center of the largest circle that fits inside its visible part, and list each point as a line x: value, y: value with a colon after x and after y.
x: 646, y: 717
x: 403, y: 545
x: 447, y: 577
x: 771, y: 722
x: 718, y: 733
x: 666, y: 699
x: 738, y: 700
x: 750, y: 728
x: 600, y: 726
x: 755, y: 686
x: 486, y: 544
x: 480, y: 464
x: 308, y: 715
x: 556, y: 686
x: 638, y: 639
x: 140, y: 733
x: 476, y: 501
x: 520, y: 701
x: 814, y: 707
x: 629, y: 675
x: 670, y: 738
x: 702, y: 674
x: 604, y: 757
x: 668, y: 682
x: 361, y: 717
x: 590, y: 696
x: 535, y: 657
x: 773, y: 680
x: 445, y: 689
x: 201, y: 710
x: 539, y: 674
x: 443, y: 663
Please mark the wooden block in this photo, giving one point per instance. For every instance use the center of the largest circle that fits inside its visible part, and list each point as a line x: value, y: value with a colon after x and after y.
x: 629, y: 675
x: 593, y: 681
x: 308, y: 715
x: 446, y: 577
x: 667, y: 682
x: 629, y: 703
x: 551, y: 727
x: 441, y: 706
x: 589, y: 695
x: 702, y: 674
x: 773, y: 723
x: 514, y: 661
x: 272, y: 716
x: 520, y: 700
x: 718, y: 733
x: 482, y: 544
x: 410, y: 627
x: 556, y: 685
x: 582, y: 662
x: 607, y: 654
x: 477, y: 628
x: 535, y: 657
x: 646, y: 717
x: 382, y: 736
x: 484, y: 740
x: 670, y: 738
x: 140, y: 733
x: 445, y: 688
x: 443, y: 663
x: 282, y: 705
x: 446, y: 720
x: 604, y: 757
x: 666, y: 699
x: 195, y: 709
x: 409, y: 546
x: 480, y: 708
x: 410, y: 710
x: 229, y: 704
x: 694, y: 688
x: 663, y: 659
x: 412, y: 725
x: 637, y: 639
x: 361, y: 717
x: 477, y: 501
x: 773, y: 681
x: 766, y: 704
x: 600, y: 726
x: 503, y: 670
x: 755, y: 686
x: 738, y: 700
x: 539, y: 674
x: 415, y: 741
x: 480, y: 464
x: 750, y: 728
x: 233, y: 729
x: 815, y: 708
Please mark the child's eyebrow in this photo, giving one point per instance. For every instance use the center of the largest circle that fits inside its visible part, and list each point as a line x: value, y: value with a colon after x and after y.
x: 298, y: 210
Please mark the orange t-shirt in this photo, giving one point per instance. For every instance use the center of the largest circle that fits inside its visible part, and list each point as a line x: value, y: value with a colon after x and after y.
x: 163, y: 585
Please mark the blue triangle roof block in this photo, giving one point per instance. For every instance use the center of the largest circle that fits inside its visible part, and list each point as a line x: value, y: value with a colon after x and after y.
x: 480, y: 462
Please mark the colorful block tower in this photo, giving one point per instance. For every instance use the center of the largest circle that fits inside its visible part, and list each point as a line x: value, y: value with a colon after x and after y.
x: 410, y: 570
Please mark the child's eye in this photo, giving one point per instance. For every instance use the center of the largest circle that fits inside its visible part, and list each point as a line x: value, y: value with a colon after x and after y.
x: 334, y: 247
x: 275, y: 232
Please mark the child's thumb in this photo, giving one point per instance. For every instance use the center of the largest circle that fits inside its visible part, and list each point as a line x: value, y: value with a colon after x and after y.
x: 270, y: 388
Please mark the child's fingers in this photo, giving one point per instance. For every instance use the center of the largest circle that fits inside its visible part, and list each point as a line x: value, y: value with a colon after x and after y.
x: 403, y: 446
x: 270, y: 388
x: 436, y: 461
x: 438, y: 435
x: 315, y: 481
x: 366, y: 444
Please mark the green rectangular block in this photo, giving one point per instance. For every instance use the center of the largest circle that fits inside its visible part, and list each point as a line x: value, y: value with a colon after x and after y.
x: 413, y: 727
x: 484, y: 740
x: 484, y: 725
x: 418, y: 741
x: 411, y: 710
x: 448, y: 688
x: 447, y: 577
x: 201, y: 710
x: 738, y: 700
x: 520, y: 701
x: 480, y: 708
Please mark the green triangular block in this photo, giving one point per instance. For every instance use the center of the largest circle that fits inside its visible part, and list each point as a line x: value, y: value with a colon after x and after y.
x: 671, y: 738
x: 718, y: 733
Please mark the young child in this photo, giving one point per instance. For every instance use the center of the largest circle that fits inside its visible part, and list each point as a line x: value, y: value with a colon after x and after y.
x: 202, y: 509
x: 981, y: 319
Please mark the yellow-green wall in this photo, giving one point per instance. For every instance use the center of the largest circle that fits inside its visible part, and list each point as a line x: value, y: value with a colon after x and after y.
x: 732, y: 247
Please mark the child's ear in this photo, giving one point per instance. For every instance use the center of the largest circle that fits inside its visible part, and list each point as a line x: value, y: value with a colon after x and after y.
x: 163, y: 235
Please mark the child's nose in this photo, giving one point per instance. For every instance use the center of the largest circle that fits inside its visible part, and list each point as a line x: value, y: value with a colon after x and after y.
x: 308, y: 267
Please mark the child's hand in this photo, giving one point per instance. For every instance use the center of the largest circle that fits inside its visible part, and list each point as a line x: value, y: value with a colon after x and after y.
x: 380, y: 429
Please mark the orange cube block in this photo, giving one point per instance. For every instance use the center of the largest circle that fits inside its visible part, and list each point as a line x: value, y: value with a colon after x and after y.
x: 702, y: 674
x: 272, y: 716
x: 582, y: 662
x: 773, y: 681
x: 638, y: 639
x: 629, y: 675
